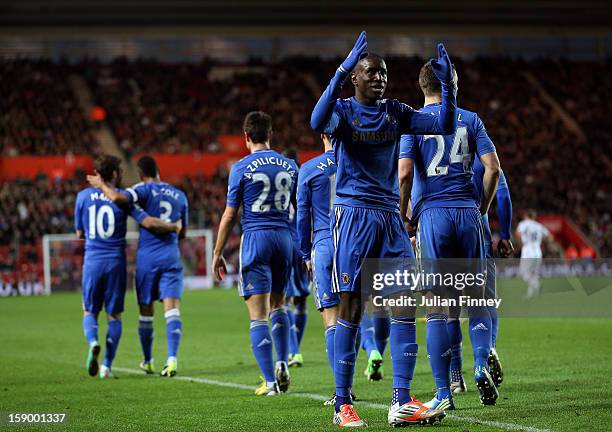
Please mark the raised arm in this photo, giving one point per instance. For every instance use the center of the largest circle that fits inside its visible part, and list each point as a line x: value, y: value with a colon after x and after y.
x: 446, y: 122
x: 111, y: 193
x: 323, y: 110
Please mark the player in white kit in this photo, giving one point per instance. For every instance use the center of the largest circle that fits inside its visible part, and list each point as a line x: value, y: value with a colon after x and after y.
x: 531, y: 234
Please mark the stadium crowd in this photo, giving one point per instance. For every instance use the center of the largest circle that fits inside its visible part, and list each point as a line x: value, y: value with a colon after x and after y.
x: 39, y: 114
x: 182, y: 108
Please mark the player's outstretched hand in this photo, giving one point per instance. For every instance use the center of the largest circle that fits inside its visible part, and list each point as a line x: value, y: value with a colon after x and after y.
x: 355, y: 55
x: 219, y: 267
x: 505, y: 248
x: 95, y: 180
x: 442, y: 67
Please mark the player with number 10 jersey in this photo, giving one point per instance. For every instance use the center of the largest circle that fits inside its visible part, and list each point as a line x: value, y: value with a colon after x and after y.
x: 159, y: 271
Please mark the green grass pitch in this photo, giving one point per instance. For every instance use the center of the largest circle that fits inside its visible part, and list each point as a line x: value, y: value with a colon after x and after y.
x: 558, y: 374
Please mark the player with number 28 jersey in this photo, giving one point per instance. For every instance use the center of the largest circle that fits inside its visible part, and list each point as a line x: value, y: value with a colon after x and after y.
x: 263, y: 182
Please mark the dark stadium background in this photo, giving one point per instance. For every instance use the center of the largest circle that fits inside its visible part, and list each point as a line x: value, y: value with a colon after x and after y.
x: 79, y: 78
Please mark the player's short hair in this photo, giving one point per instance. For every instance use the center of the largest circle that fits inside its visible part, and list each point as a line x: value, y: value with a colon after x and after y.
x: 531, y: 213
x: 367, y: 56
x: 258, y: 126
x: 106, y: 165
x: 429, y: 82
x: 148, y: 166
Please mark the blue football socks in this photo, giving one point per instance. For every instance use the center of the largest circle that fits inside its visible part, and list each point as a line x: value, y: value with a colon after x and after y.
x: 113, y: 336
x: 404, y: 351
x: 261, y: 344
x: 438, y: 350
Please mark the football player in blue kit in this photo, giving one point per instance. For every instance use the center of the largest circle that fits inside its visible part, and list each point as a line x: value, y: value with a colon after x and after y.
x: 103, y: 226
x: 263, y: 183
x: 366, y: 221
x: 315, y: 195
x: 159, y: 271
x: 505, y: 249
x: 298, y: 289
x: 436, y: 175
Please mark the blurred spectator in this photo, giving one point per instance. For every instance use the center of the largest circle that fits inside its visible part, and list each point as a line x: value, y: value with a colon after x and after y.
x: 39, y: 113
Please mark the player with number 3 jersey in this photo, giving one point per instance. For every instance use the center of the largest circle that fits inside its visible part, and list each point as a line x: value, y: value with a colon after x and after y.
x: 102, y: 224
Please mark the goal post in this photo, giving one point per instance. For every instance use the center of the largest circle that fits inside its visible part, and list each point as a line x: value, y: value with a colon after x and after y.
x: 63, y: 260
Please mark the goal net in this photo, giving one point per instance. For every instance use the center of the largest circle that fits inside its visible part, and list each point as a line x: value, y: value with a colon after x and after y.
x: 63, y: 260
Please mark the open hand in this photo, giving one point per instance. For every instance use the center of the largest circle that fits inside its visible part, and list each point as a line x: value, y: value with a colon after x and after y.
x: 95, y: 180
x: 355, y: 55
x: 442, y: 67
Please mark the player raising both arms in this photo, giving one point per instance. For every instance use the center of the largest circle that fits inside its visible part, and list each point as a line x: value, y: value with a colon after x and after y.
x: 103, y: 226
x: 159, y: 271
x: 436, y: 174
x: 264, y: 184
x: 366, y: 222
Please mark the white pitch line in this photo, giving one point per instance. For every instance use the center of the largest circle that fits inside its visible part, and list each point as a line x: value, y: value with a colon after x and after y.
x: 313, y: 396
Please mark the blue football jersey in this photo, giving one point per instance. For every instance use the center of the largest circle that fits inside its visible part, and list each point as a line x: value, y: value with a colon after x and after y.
x: 263, y: 183
x: 366, y: 143
x: 103, y: 224
x: 315, y: 197
x: 443, y: 163
x: 162, y: 200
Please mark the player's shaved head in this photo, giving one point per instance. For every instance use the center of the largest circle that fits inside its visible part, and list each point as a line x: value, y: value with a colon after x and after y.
x: 258, y: 127
x: 368, y: 58
x: 106, y: 165
x: 429, y: 83
x: 148, y: 167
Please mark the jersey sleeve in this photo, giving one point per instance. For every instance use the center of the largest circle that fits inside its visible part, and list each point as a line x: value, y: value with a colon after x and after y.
x: 138, y: 213
x: 484, y: 144
x: 304, y: 228
x: 407, y: 147
x: 135, y: 194
x: 334, y: 121
x: 322, y: 117
x: 504, y: 207
x: 234, y: 187
x: 78, y: 212
x: 415, y: 122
